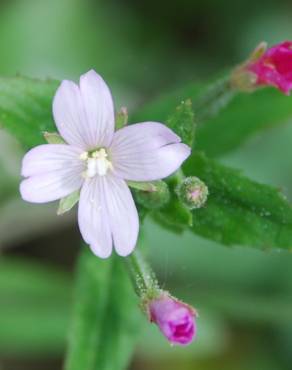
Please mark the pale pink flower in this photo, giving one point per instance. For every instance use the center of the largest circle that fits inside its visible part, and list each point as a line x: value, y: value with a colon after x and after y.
x: 175, y: 319
x: 99, y: 161
x: 274, y: 67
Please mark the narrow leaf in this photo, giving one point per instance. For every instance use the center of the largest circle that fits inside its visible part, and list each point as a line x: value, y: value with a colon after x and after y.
x: 105, y: 318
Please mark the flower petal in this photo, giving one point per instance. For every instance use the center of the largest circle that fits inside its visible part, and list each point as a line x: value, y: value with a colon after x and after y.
x: 50, y: 186
x: 93, y: 217
x: 147, y: 151
x: 107, y: 214
x: 123, y: 216
x: 99, y: 109
x: 69, y: 115
x: 51, y: 157
x: 85, y: 115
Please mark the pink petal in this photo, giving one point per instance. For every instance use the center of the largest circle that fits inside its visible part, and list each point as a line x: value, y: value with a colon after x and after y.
x: 51, y: 157
x: 85, y: 115
x: 69, y: 115
x: 123, y: 216
x: 93, y: 217
x: 50, y: 186
x: 107, y: 211
x: 175, y: 319
x: 274, y: 67
x: 147, y: 151
x: 99, y: 109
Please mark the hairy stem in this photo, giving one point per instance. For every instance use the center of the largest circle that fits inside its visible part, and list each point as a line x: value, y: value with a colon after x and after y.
x: 214, y: 98
x: 142, y: 276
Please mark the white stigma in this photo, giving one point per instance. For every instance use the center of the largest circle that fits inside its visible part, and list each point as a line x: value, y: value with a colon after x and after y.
x: 97, y: 163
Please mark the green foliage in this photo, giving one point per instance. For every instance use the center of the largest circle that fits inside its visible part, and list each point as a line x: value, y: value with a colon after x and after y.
x: 26, y: 108
x: 246, y: 115
x: 238, y: 210
x: 35, y: 301
x: 241, y: 115
x: 182, y: 122
x: 105, y: 317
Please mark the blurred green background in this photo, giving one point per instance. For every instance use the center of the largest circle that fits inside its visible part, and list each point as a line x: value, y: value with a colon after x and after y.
x: 143, y: 49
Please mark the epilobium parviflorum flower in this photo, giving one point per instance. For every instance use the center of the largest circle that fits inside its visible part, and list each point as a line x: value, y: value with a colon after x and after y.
x: 175, y: 319
x: 266, y: 67
x: 99, y: 161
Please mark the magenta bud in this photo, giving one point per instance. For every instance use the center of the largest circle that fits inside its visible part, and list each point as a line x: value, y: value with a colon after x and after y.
x: 266, y: 67
x: 175, y: 319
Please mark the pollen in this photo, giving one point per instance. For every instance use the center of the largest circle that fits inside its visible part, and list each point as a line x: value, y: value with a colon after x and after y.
x: 97, y: 163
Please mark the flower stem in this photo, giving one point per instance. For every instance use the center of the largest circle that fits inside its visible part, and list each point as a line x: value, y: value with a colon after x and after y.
x: 142, y: 276
x: 214, y: 98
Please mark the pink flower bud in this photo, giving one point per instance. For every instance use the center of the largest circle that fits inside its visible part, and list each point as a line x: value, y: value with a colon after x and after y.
x: 175, y: 319
x: 274, y: 67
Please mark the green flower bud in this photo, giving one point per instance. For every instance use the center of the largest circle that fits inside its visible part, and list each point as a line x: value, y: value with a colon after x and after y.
x: 192, y: 192
x: 155, y: 198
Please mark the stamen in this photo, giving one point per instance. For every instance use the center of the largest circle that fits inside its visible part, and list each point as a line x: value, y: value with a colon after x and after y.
x: 97, y: 163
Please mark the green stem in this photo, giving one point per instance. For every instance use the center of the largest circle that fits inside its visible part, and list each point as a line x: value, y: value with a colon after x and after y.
x: 142, y: 276
x: 214, y: 98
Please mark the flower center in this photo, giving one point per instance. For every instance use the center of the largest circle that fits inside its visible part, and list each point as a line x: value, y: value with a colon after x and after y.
x: 97, y: 163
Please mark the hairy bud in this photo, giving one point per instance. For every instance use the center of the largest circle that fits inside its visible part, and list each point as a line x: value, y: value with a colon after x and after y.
x: 192, y: 192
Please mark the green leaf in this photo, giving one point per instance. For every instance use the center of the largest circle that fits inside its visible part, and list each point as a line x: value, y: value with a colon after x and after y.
x: 175, y: 214
x: 35, y: 303
x: 182, y: 122
x: 239, y: 210
x: 246, y: 115
x: 26, y: 108
x: 105, y: 318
